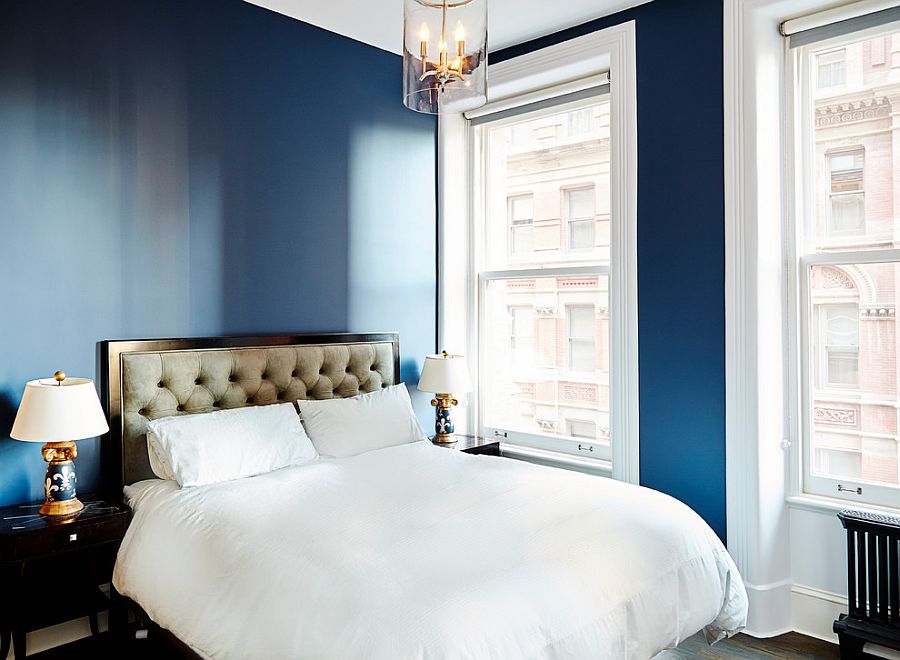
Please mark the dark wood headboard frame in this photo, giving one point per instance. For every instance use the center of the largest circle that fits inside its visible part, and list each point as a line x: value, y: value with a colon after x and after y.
x: 109, y: 360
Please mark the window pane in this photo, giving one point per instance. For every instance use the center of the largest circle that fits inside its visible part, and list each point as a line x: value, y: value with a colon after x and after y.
x: 850, y: 157
x: 847, y: 215
x: 853, y: 371
x: 543, y: 167
x: 831, y: 68
x: 535, y: 330
x: 579, y: 428
x: 580, y: 204
x: 579, y: 121
x: 521, y: 209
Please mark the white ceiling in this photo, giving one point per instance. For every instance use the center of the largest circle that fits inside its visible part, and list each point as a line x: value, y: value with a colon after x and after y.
x: 380, y: 22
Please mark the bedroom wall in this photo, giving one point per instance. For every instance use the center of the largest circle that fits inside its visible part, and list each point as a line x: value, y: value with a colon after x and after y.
x: 175, y: 168
x: 680, y: 246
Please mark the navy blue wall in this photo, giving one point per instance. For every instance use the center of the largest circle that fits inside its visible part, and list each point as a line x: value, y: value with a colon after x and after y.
x: 681, y: 263
x: 199, y: 167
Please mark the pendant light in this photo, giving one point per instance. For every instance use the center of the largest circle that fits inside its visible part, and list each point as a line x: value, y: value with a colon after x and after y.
x: 444, y: 55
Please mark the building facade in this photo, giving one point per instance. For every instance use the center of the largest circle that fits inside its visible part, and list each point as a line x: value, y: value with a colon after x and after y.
x: 852, y: 316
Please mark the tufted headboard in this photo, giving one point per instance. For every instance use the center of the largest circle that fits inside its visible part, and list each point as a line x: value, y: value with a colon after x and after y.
x: 142, y: 380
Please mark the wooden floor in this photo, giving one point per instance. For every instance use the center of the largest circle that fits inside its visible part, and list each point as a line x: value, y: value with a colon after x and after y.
x: 792, y: 645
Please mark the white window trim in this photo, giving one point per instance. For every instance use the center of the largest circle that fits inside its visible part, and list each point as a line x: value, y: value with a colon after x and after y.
x: 586, y: 57
x: 762, y: 468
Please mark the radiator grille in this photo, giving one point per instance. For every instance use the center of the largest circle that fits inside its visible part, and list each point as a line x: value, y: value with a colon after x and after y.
x: 873, y: 566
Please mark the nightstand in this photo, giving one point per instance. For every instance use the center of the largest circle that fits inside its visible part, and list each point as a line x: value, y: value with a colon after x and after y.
x: 52, y: 569
x: 473, y: 444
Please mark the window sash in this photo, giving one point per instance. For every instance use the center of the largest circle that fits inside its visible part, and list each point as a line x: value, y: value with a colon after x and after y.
x: 816, y: 484
x: 596, y: 449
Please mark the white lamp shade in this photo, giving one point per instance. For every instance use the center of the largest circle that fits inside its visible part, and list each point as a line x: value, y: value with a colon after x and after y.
x: 54, y: 412
x: 445, y: 374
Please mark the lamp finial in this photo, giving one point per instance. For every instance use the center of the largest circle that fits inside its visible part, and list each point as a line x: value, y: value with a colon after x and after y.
x: 60, y: 376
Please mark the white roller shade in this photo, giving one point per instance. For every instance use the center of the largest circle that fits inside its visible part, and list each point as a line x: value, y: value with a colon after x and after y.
x: 838, y: 21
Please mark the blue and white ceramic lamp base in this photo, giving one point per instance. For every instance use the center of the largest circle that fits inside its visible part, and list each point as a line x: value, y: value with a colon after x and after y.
x: 60, y: 481
x: 444, y: 430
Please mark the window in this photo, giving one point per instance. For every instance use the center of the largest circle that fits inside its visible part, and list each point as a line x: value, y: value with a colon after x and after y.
x: 579, y: 204
x: 581, y: 428
x: 531, y: 142
x: 541, y: 340
x: 581, y: 324
x: 521, y: 335
x: 579, y: 122
x: 846, y: 196
x: 847, y: 268
x: 841, y: 344
x: 831, y: 68
x: 520, y: 210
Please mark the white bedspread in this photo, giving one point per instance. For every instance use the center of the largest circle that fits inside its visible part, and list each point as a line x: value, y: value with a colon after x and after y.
x: 416, y: 551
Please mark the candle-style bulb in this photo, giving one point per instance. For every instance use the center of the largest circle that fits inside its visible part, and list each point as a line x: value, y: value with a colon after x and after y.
x: 424, y: 35
x: 460, y: 32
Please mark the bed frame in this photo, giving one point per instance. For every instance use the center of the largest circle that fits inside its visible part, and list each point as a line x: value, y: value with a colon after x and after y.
x: 147, y: 379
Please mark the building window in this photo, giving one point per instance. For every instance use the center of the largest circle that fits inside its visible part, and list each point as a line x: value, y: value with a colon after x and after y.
x: 538, y: 337
x: 581, y: 323
x: 520, y: 210
x: 581, y: 429
x: 521, y: 335
x: 846, y: 198
x: 840, y: 341
x: 579, y: 205
x: 831, y: 68
x: 578, y: 123
x: 846, y: 266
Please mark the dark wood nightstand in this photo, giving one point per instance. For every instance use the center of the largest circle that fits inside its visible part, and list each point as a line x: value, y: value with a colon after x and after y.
x: 51, y: 569
x: 473, y: 444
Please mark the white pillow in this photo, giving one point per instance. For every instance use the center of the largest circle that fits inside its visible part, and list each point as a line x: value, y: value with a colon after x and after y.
x: 346, y: 427
x: 227, y: 444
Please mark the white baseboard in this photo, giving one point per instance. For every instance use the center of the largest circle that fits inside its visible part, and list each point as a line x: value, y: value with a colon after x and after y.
x: 813, y: 611
x: 62, y: 633
x: 769, y: 614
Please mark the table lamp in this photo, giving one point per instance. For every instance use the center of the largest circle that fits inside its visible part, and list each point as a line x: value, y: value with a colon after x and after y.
x: 58, y: 411
x: 443, y: 374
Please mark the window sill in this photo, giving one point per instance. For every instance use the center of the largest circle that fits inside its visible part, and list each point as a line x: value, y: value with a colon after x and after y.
x: 825, y: 505
x: 557, y: 459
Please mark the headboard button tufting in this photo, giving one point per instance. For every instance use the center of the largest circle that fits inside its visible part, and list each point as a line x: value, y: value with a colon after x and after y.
x: 159, y: 384
x: 179, y: 408
x: 231, y: 379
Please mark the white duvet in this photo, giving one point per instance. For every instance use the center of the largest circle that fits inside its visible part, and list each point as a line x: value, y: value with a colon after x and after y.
x: 419, y: 552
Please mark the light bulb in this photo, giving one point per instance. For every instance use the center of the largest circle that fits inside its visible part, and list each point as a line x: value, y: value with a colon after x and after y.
x: 460, y: 31
x: 424, y: 35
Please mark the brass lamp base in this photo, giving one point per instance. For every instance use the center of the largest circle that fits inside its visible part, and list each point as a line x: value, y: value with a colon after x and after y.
x: 60, y: 480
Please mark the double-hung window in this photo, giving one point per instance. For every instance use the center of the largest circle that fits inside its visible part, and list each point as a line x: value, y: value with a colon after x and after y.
x: 520, y: 209
x: 846, y: 264
x: 580, y: 218
x: 543, y: 274
x: 538, y: 258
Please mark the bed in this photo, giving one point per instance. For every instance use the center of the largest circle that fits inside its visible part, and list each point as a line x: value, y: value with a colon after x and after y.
x: 410, y: 551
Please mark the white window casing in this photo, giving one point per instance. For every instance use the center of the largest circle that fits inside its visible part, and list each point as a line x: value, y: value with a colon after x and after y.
x: 575, y: 67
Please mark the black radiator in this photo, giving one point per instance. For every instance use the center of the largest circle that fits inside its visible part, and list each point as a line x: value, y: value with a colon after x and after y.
x: 873, y: 583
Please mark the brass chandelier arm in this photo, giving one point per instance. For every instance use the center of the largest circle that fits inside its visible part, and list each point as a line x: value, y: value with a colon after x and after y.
x: 450, y: 5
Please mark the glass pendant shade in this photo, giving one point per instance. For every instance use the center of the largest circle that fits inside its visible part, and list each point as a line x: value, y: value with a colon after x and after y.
x: 444, y: 55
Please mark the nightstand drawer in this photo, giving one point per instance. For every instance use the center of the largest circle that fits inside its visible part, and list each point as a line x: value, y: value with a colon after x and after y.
x: 68, y: 537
